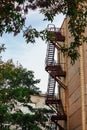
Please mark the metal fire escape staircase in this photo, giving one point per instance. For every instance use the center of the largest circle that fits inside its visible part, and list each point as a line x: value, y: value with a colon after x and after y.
x: 55, y: 73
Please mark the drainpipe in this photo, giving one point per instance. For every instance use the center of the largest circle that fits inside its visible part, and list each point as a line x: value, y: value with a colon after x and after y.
x: 82, y: 87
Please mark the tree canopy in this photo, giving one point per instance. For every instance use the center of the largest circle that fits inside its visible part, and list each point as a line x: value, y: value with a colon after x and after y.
x: 17, y: 84
x: 13, y: 15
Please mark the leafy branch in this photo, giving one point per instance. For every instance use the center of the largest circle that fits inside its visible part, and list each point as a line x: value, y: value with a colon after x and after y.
x: 13, y: 15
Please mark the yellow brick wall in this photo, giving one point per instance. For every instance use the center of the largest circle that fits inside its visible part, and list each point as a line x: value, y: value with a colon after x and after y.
x: 73, y: 81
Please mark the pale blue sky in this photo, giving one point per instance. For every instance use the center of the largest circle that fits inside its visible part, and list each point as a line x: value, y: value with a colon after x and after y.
x: 31, y: 56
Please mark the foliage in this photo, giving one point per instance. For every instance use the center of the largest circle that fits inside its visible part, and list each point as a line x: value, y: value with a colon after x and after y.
x: 31, y: 121
x: 17, y: 84
x: 13, y: 14
x: 25, y: 121
x: 4, y: 115
x: 2, y: 48
x: 16, y: 76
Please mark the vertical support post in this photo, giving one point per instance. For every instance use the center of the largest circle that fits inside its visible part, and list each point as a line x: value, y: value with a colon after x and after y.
x: 82, y: 87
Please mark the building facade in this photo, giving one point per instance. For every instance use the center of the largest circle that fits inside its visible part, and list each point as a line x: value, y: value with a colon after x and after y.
x: 72, y: 86
x: 76, y: 81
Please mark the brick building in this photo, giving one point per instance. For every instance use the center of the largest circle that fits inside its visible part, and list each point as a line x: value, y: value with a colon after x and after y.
x: 76, y: 81
x: 71, y: 110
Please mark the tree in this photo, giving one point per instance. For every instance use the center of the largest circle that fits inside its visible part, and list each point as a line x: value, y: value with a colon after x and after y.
x: 13, y: 14
x: 17, y: 84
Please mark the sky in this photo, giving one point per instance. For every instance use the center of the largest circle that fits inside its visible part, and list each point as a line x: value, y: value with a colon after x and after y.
x: 30, y: 56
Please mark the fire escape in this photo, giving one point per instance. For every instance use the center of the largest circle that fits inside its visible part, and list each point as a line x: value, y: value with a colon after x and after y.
x: 56, y: 73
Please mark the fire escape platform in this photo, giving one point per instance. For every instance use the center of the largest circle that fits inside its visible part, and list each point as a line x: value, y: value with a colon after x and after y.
x: 56, y: 36
x: 56, y: 70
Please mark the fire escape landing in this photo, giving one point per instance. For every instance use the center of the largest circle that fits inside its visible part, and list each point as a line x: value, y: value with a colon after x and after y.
x: 56, y: 72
